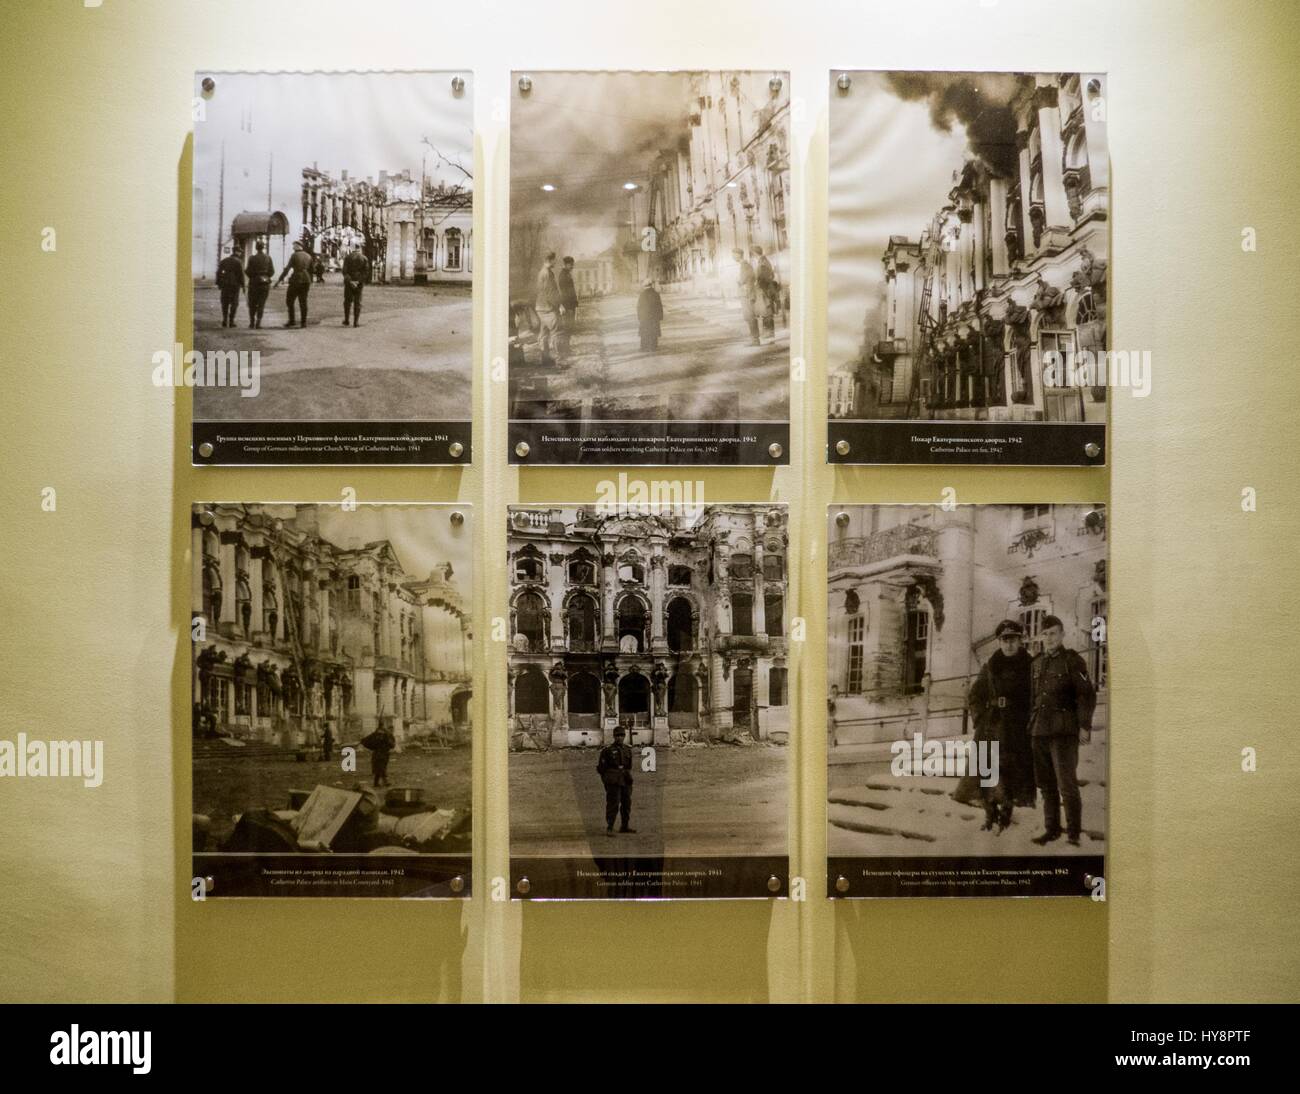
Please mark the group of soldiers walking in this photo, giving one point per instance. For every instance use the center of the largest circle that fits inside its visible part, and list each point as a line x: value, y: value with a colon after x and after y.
x: 233, y: 277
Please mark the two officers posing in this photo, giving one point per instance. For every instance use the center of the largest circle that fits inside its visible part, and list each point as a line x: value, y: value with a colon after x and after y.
x: 1039, y: 710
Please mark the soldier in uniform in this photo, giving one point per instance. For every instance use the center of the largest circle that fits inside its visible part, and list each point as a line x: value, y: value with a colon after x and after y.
x: 615, y: 769
x: 230, y: 279
x: 356, y: 268
x: 298, y: 271
x: 260, y: 271
x: 747, y: 288
x: 999, y: 703
x: 1062, y: 701
x: 547, y: 301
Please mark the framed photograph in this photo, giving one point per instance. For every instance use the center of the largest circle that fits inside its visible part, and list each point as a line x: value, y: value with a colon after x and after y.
x: 649, y: 702
x: 967, y: 713
x: 331, y: 726
x: 969, y: 248
x: 649, y: 314
x: 332, y: 258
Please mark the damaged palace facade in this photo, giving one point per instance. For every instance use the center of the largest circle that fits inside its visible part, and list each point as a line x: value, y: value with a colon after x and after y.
x: 300, y: 634
x: 915, y: 596
x: 1010, y: 270
x: 726, y: 185
x: 672, y: 626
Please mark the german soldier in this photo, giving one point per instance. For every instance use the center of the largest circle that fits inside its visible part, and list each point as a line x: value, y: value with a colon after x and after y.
x: 1063, y: 699
x: 298, y: 271
x: 615, y: 769
x: 356, y: 268
x: 230, y: 279
x: 260, y: 271
x: 999, y: 702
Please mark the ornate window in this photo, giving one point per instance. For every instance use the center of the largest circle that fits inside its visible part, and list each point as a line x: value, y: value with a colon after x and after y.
x: 776, y: 687
x: 529, y: 565
x: 354, y: 594
x: 531, y: 620
x: 679, y: 575
x: 741, y: 567
x: 773, y: 566
x: 742, y: 613
x: 582, y: 568
x: 453, y: 251
x: 631, y: 621
x: 857, y: 632
x: 582, y: 624
x: 774, y: 614
x: 630, y: 569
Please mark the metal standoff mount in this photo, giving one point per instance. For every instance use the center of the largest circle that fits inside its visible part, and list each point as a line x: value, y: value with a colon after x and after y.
x: 522, y: 449
x: 457, y: 517
x: 206, y: 449
x: 774, y: 884
x: 841, y: 884
x: 209, y: 85
x: 1092, y: 450
x: 207, y: 519
x: 525, y: 84
x: 844, y: 83
x: 457, y: 884
x: 523, y: 885
x: 842, y: 447
x: 775, y: 84
x: 457, y: 84
x: 456, y: 450
x: 774, y: 450
x: 842, y: 519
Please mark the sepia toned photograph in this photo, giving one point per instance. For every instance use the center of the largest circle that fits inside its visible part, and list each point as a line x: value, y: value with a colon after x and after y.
x: 332, y: 261
x: 331, y: 672
x: 969, y: 248
x: 649, y: 707
x: 650, y: 267
x: 967, y: 711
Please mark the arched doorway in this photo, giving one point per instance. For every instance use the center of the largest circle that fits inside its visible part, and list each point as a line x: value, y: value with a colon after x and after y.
x: 584, y: 701
x: 460, y: 708
x: 532, y: 694
x: 634, y: 707
x: 681, y: 629
x: 683, y: 701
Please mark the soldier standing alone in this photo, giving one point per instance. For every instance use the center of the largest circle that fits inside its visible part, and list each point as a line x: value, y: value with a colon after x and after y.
x: 1063, y: 699
x: 356, y: 268
x: 615, y: 769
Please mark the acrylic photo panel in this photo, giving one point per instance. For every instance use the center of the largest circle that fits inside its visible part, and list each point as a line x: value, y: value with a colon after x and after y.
x: 650, y: 268
x: 969, y: 246
x: 967, y: 706
x: 332, y: 260
x: 649, y: 709
x: 331, y: 720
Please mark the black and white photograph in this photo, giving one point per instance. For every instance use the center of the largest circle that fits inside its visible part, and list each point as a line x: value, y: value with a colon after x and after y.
x: 332, y: 260
x: 648, y: 701
x: 650, y: 268
x: 331, y: 723
x: 967, y: 710
x: 969, y: 248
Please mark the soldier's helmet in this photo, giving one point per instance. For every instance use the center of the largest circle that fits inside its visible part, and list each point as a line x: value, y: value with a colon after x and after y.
x: 1009, y: 626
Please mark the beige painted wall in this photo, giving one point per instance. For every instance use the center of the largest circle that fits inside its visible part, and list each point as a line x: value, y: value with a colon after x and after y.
x: 1204, y: 872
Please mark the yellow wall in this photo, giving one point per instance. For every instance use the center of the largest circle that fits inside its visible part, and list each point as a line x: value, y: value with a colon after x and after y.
x: 1204, y: 871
